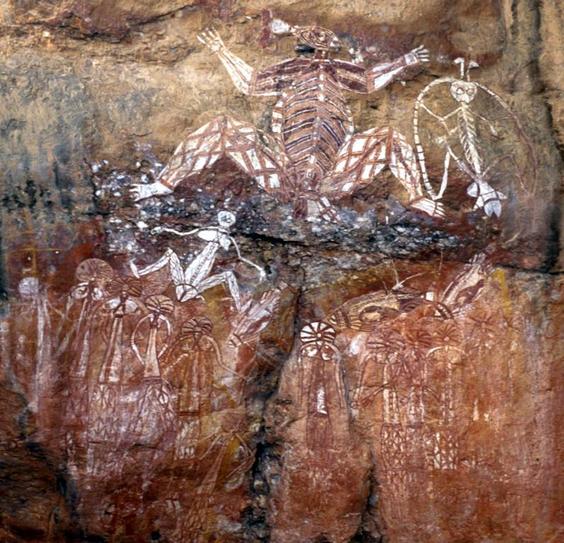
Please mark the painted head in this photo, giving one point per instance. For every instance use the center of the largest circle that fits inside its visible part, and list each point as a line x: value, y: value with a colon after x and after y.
x: 193, y: 331
x: 316, y: 38
x: 310, y: 39
x: 463, y: 91
x: 226, y: 219
x: 28, y: 288
x: 318, y: 340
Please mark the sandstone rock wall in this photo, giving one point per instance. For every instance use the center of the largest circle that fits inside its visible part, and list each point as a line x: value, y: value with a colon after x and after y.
x: 392, y: 377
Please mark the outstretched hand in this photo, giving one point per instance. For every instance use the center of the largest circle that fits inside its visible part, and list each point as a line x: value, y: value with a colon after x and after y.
x: 211, y: 39
x: 417, y: 56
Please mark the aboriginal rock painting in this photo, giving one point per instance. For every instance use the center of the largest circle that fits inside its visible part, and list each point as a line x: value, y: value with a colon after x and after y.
x: 313, y: 156
x: 141, y: 371
x: 394, y: 375
x: 150, y: 381
x: 476, y: 131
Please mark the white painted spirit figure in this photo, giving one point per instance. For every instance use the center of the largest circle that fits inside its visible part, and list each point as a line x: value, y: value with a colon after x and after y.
x: 321, y: 385
x: 191, y: 282
x: 464, y: 139
x: 313, y: 154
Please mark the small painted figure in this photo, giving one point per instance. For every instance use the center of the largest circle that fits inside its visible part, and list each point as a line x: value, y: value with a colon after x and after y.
x: 474, y: 135
x: 191, y: 282
x: 125, y: 302
x: 32, y: 349
x: 83, y: 306
x: 191, y: 365
x: 321, y: 384
x: 158, y: 324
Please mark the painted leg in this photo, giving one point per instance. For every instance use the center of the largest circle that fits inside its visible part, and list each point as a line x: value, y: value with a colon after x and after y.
x: 365, y: 155
x: 360, y: 159
x: 403, y: 165
x: 221, y: 137
x: 184, y: 290
x: 169, y: 258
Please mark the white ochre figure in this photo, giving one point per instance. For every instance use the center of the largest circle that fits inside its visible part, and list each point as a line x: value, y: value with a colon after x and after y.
x: 192, y: 281
x: 322, y: 389
x: 464, y: 140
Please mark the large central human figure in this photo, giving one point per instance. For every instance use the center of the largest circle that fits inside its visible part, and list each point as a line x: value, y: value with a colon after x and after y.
x: 312, y: 153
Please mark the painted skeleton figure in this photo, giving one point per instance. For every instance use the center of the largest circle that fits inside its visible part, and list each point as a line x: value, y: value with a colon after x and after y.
x: 191, y: 282
x: 313, y: 153
x: 462, y: 143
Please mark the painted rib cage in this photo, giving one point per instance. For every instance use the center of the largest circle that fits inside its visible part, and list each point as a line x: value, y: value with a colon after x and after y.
x: 312, y: 122
x: 313, y: 153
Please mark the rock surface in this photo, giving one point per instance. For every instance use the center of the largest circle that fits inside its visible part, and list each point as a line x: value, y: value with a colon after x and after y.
x: 392, y: 377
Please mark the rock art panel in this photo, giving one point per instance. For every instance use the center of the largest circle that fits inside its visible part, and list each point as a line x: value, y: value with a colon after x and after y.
x: 463, y: 133
x: 427, y: 392
x: 312, y: 153
x: 321, y: 456
x: 151, y: 420
x: 297, y: 327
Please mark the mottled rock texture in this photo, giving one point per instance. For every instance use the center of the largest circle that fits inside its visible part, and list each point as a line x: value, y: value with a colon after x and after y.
x: 412, y: 411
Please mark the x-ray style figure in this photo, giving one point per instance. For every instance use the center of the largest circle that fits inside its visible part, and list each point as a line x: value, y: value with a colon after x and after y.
x: 125, y: 302
x: 154, y: 412
x: 83, y: 306
x: 313, y: 153
x: 194, y: 358
x: 321, y: 384
x: 192, y: 362
x: 34, y: 346
x: 464, y: 129
x: 147, y: 329
x: 191, y: 282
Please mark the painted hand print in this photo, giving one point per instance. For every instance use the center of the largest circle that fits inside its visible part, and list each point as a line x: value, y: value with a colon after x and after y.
x: 480, y: 134
x: 312, y: 155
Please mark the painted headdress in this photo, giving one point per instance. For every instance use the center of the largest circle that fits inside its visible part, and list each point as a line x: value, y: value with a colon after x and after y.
x: 125, y: 285
x: 159, y: 304
x: 196, y: 327
x: 317, y: 333
x: 314, y: 37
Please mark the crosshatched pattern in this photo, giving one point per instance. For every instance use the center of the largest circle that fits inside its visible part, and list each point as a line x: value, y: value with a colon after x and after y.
x: 312, y: 155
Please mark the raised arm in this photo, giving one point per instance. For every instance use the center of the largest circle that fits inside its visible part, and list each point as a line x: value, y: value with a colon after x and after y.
x: 269, y: 81
x: 159, y: 229
x: 240, y: 72
x: 381, y: 75
x: 355, y: 78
